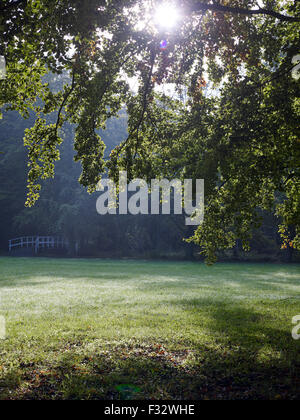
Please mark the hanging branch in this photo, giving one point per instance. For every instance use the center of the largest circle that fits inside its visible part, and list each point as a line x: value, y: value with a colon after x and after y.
x: 58, y: 121
x: 145, y: 103
x: 203, y: 7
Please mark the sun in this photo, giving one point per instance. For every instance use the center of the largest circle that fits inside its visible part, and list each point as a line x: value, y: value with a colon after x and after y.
x: 166, y: 16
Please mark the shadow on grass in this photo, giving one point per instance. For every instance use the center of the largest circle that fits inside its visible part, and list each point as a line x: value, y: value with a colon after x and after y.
x: 252, y: 332
x: 216, y: 376
x: 248, y: 359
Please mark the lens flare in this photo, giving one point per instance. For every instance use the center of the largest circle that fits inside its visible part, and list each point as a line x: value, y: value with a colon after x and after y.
x: 164, y: 45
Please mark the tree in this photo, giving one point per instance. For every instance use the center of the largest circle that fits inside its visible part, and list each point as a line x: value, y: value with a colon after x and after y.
x: 238, y: 128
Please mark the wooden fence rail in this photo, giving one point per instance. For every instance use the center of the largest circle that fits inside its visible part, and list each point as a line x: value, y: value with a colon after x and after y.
x: 38, y: 242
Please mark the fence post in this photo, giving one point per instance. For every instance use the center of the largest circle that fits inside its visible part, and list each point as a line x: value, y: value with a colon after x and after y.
x: 9, y: 245
x: 37, y: 241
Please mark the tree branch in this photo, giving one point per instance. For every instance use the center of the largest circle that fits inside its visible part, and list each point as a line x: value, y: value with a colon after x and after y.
x: 65, y: 99
x: 64, y: 102
x: 145, y: 104
x: 203, y: 7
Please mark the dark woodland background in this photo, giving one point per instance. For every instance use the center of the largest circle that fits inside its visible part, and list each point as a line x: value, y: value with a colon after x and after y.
x: 66, y: 210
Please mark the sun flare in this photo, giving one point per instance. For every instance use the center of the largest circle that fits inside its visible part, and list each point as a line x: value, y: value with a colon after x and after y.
x: 166, y: 16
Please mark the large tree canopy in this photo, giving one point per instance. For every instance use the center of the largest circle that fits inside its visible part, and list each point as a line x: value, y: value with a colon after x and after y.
x: 231, y: 117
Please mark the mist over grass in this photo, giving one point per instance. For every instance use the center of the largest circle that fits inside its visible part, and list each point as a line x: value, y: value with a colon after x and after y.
x: 98, y: 329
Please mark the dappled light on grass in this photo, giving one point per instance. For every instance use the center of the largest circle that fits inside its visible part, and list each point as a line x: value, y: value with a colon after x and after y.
x: 113, y: 330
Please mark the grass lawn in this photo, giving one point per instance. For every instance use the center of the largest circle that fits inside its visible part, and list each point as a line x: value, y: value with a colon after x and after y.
x: 103, y: 329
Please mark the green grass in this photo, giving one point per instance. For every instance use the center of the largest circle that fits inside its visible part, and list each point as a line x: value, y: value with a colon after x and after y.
x: 91, y: 329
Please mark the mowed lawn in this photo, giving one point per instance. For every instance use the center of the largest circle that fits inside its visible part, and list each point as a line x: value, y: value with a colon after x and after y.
x: 104, y: 329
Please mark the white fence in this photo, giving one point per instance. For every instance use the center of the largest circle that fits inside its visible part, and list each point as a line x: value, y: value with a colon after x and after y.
x: 38, y: 242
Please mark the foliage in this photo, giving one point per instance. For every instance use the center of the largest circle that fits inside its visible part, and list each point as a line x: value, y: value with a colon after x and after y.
x: 244, y: 141
x: 66, y: 210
